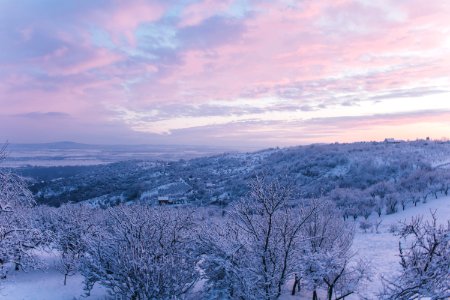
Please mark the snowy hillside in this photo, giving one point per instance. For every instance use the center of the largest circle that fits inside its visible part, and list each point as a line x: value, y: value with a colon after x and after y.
x: 382, y: 249
x: 45, y: 284
x: 317, y: 169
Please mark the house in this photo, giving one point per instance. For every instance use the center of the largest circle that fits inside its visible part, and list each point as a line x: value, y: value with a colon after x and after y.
x: 166, y: 200
x: 173, y: 193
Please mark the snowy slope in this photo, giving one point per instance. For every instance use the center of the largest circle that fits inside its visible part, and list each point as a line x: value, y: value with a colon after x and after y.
x: 382, y: 249
x: 45, y: 285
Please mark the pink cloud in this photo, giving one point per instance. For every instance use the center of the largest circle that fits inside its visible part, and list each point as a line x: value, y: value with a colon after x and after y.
x: 264, y: 56
x: 122, y: 18
x: 195, y: 13
x: 314, y: 53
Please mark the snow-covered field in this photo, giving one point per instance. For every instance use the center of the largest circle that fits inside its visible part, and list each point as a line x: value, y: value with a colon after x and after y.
x: 380, y: 249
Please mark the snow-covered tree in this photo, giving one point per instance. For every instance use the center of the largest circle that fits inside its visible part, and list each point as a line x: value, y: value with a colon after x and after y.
x: 224, y: 261
x: 405, y: 197
x: 346, y: 199
x: 416, y: 184
x: 326, y: 260
x: 252, y: 256
x: 143, y: 253
x: 381, y: 189
x: 425, y: 262
x: 365, y: 225
x: 444, y: 181
x: 379, y: 206
x: 391, y: 201
x: 365, y: 204
x: 73, y: 228
x: 17, y: 233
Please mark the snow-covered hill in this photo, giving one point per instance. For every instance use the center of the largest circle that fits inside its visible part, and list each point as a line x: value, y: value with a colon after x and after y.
x: 317, y: 169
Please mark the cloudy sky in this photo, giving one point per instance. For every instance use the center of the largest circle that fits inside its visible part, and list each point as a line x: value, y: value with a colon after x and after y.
x: 239, y: 73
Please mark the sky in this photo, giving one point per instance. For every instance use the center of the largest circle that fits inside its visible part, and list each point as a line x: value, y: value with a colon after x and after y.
x: 237, y: 73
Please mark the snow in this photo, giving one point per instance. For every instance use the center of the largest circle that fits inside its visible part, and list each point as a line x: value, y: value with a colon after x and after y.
x: 382, y: 249
x: 46, y: 284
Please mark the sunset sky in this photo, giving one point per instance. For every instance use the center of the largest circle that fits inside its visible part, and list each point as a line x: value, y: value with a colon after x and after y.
x: 235, y: 73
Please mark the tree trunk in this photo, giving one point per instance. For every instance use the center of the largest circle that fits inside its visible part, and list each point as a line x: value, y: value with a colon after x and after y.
x: 315, y: 295
x: 17, y: 264
x: 65, y: 279
x: 294, y: 288
x: 330, y: 292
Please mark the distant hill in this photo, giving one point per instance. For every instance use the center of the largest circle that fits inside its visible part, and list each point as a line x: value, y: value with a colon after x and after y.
x: 338, y: 170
